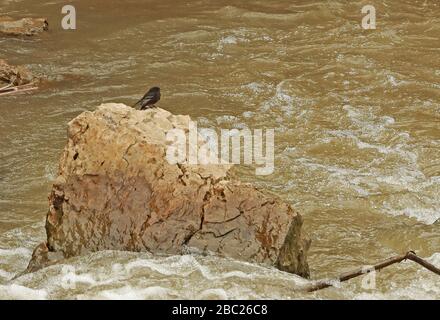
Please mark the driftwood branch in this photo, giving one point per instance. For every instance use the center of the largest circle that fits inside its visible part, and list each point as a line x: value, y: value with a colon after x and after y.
x: 11, y: 89
x: 6, y: 87
x: 410, y: 255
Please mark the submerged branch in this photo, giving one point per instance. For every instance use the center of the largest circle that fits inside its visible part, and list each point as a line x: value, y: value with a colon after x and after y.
x: 11, y: 89
x: 410, y: 255
x: 6, y: 87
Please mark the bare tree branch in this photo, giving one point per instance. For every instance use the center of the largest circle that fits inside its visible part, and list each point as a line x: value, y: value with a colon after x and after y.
x: 9, y: 89
x: 410, y: 255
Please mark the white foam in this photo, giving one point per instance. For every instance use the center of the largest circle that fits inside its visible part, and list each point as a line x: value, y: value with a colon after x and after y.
x: 18, y: 292
x: 425, y: 215
x: 255, y: 87
x: 238, y: 36
x: 70, y: 277
x: 15, y: 252
x: 169, y: 266
x: 132, y: 293
x: 248, y: 114
x: 214, y: 293
x: 6, y: 275
x: 392, y: 80
x: 226, y: 119
x: 228, y: 40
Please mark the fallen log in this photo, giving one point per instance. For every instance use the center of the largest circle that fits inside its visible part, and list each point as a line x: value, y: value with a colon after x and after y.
x: 410, y: 255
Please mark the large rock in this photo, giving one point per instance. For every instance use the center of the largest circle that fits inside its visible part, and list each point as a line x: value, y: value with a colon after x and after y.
x: 116, y: 190
x: 22, y: 27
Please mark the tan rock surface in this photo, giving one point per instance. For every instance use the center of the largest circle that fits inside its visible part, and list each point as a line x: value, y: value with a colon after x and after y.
x: 22, y: 27
x: 17, y: 75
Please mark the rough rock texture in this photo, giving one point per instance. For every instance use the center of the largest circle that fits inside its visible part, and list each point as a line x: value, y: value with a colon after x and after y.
x: 22, y: 27
x: 17, y: 75
x: 116, y: 190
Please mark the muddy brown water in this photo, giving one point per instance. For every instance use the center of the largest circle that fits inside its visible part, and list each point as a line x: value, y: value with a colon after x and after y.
x: 356, y: 115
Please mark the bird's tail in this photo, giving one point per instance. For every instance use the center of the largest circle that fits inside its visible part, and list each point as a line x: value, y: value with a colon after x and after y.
x: 136, y: 104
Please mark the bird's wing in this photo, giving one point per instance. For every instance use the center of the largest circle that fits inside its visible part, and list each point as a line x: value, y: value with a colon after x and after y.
x: 148, y: 96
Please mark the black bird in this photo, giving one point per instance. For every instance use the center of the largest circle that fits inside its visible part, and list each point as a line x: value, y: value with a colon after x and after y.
x: 150, y: 99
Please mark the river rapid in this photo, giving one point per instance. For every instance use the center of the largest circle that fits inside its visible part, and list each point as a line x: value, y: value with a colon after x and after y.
x: 356, y: 115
